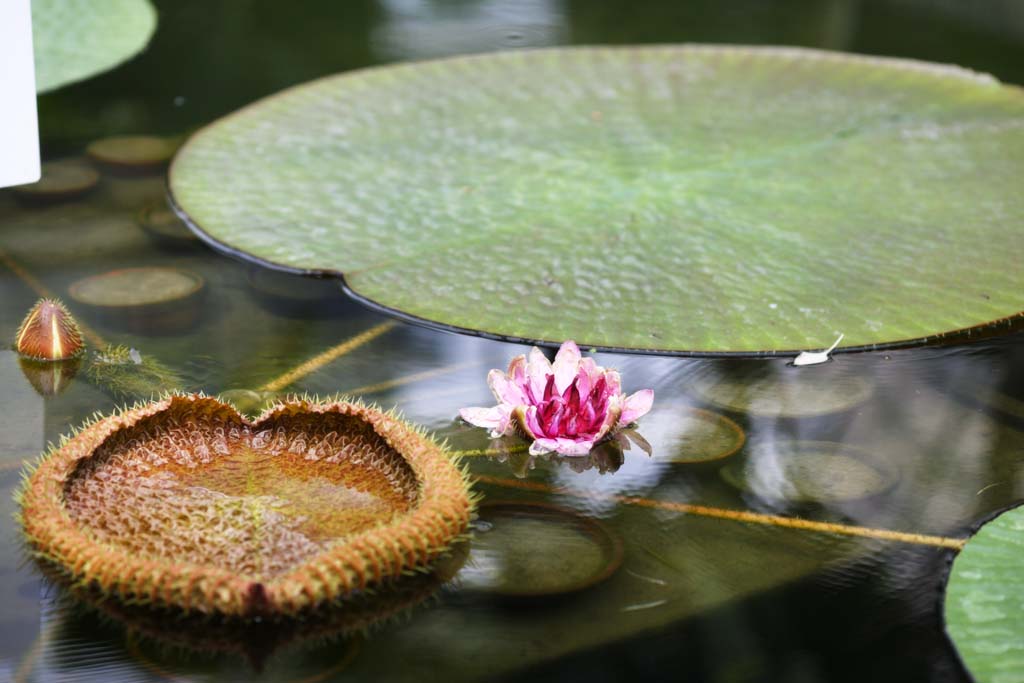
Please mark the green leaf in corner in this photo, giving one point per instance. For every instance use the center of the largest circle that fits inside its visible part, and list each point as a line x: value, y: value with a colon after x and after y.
x: 985, y: 601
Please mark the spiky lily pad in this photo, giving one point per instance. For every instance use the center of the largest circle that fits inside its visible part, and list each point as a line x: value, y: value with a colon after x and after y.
x: 985, y: 600
x: 185, y: 504
x: 689, y: 199
x: 76, y: 39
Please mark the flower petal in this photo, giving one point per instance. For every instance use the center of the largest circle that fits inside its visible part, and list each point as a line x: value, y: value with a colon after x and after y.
x: 538, y: 367
x: 636, y: 406
x: 482, y: 417
x: 543, y: 446
x: 504, y: 421
x: 517, y: 372
x: 637, y: 439
x: 590, y: 367
x: 583, y: 384
x: 525, y: 418
x: 567, y: 364
x: 611, y: 419
x: 573, y: 447
x: 504, y: 389
x: 614, y: 381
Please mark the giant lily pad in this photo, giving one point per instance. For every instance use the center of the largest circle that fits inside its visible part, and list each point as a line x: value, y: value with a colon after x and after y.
x: 76, y: 39
x: 985, y: 600
x: 689, y: 199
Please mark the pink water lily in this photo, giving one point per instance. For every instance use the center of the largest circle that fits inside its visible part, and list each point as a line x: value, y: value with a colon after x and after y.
x: 565, y: 407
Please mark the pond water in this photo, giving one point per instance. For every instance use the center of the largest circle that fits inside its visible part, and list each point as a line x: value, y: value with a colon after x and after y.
x: 791, y: 523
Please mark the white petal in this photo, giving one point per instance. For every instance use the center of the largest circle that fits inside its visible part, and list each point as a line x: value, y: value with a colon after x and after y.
x: 538, y: 367
x: 567, y: 364
x: 573, y: 448
x: 489, y: 418
x: 543, y: 446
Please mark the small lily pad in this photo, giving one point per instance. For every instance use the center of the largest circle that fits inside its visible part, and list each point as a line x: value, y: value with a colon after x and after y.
x: 697, y: 436
x: 76, y: 39
x: 149, y: 300
x: 164, y: 226
x: 61, y: 181
x: 808, y: 472
x: 133, y: 153
x: 781, y: 391
x: 529, y: 550
x: 675, y: 199
x: 984, y: 604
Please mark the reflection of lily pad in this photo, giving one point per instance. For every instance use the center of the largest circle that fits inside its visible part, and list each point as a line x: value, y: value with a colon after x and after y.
x: 528, y: 550
x: 808, y: 472
x: 773, y: 390
x: 999, y: 388
x: 151, y: 300
x: 687, y: 199
x: 985, y: 601
x: 76, y: 40
x: 702, y: 436
x: 164, y: 226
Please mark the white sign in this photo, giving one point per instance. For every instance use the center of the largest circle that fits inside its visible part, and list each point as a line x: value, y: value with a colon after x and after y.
x: 19, y: 130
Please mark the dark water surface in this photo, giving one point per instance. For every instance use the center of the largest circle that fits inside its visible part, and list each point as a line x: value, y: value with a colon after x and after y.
x: 791, y: 525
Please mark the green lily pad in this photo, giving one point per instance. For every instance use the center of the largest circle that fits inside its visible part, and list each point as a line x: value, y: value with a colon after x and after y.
x: 985, y: 600
x: 74, y: 40
x: 688, y: 199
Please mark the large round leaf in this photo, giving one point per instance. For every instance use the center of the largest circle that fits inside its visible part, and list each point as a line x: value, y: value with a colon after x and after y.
x: 985, y: 601
x: 76, y: 39
x: 690, y: 199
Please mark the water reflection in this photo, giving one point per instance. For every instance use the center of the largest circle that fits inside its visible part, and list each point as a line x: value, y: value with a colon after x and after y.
x: 420, y: 29
x: 693, y: 544
x: 192, y: 644
x: 715, y: 583
x: 530, y: 551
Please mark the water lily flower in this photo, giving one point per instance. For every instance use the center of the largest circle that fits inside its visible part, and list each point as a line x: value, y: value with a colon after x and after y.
x: 565, y: 407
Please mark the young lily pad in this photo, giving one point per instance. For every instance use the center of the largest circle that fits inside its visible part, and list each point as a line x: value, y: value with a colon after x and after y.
x: 809, y: 472
x: 687, y: 199
x: 185, y: 504
x: 985, y: 600
x: 780, y: 391
x: 77, y: 40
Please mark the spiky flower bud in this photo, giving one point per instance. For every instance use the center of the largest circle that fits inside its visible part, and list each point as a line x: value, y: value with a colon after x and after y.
x: 49, y: 333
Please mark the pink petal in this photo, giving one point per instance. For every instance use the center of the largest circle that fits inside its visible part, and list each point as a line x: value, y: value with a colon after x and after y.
x: 517, y: 372
x: 573, y: 447
x: 504, y: 390
x: 537, y: 370
x: 567, y: 364
x: 611, y: 419
x: 636, y: 406
x: 504, y: 422
x: 543, y: 446
x: 482, y: 417
x: 525, y: 417
x: 591, y: 369
x: 614, y: 381
x: 584, y: 379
